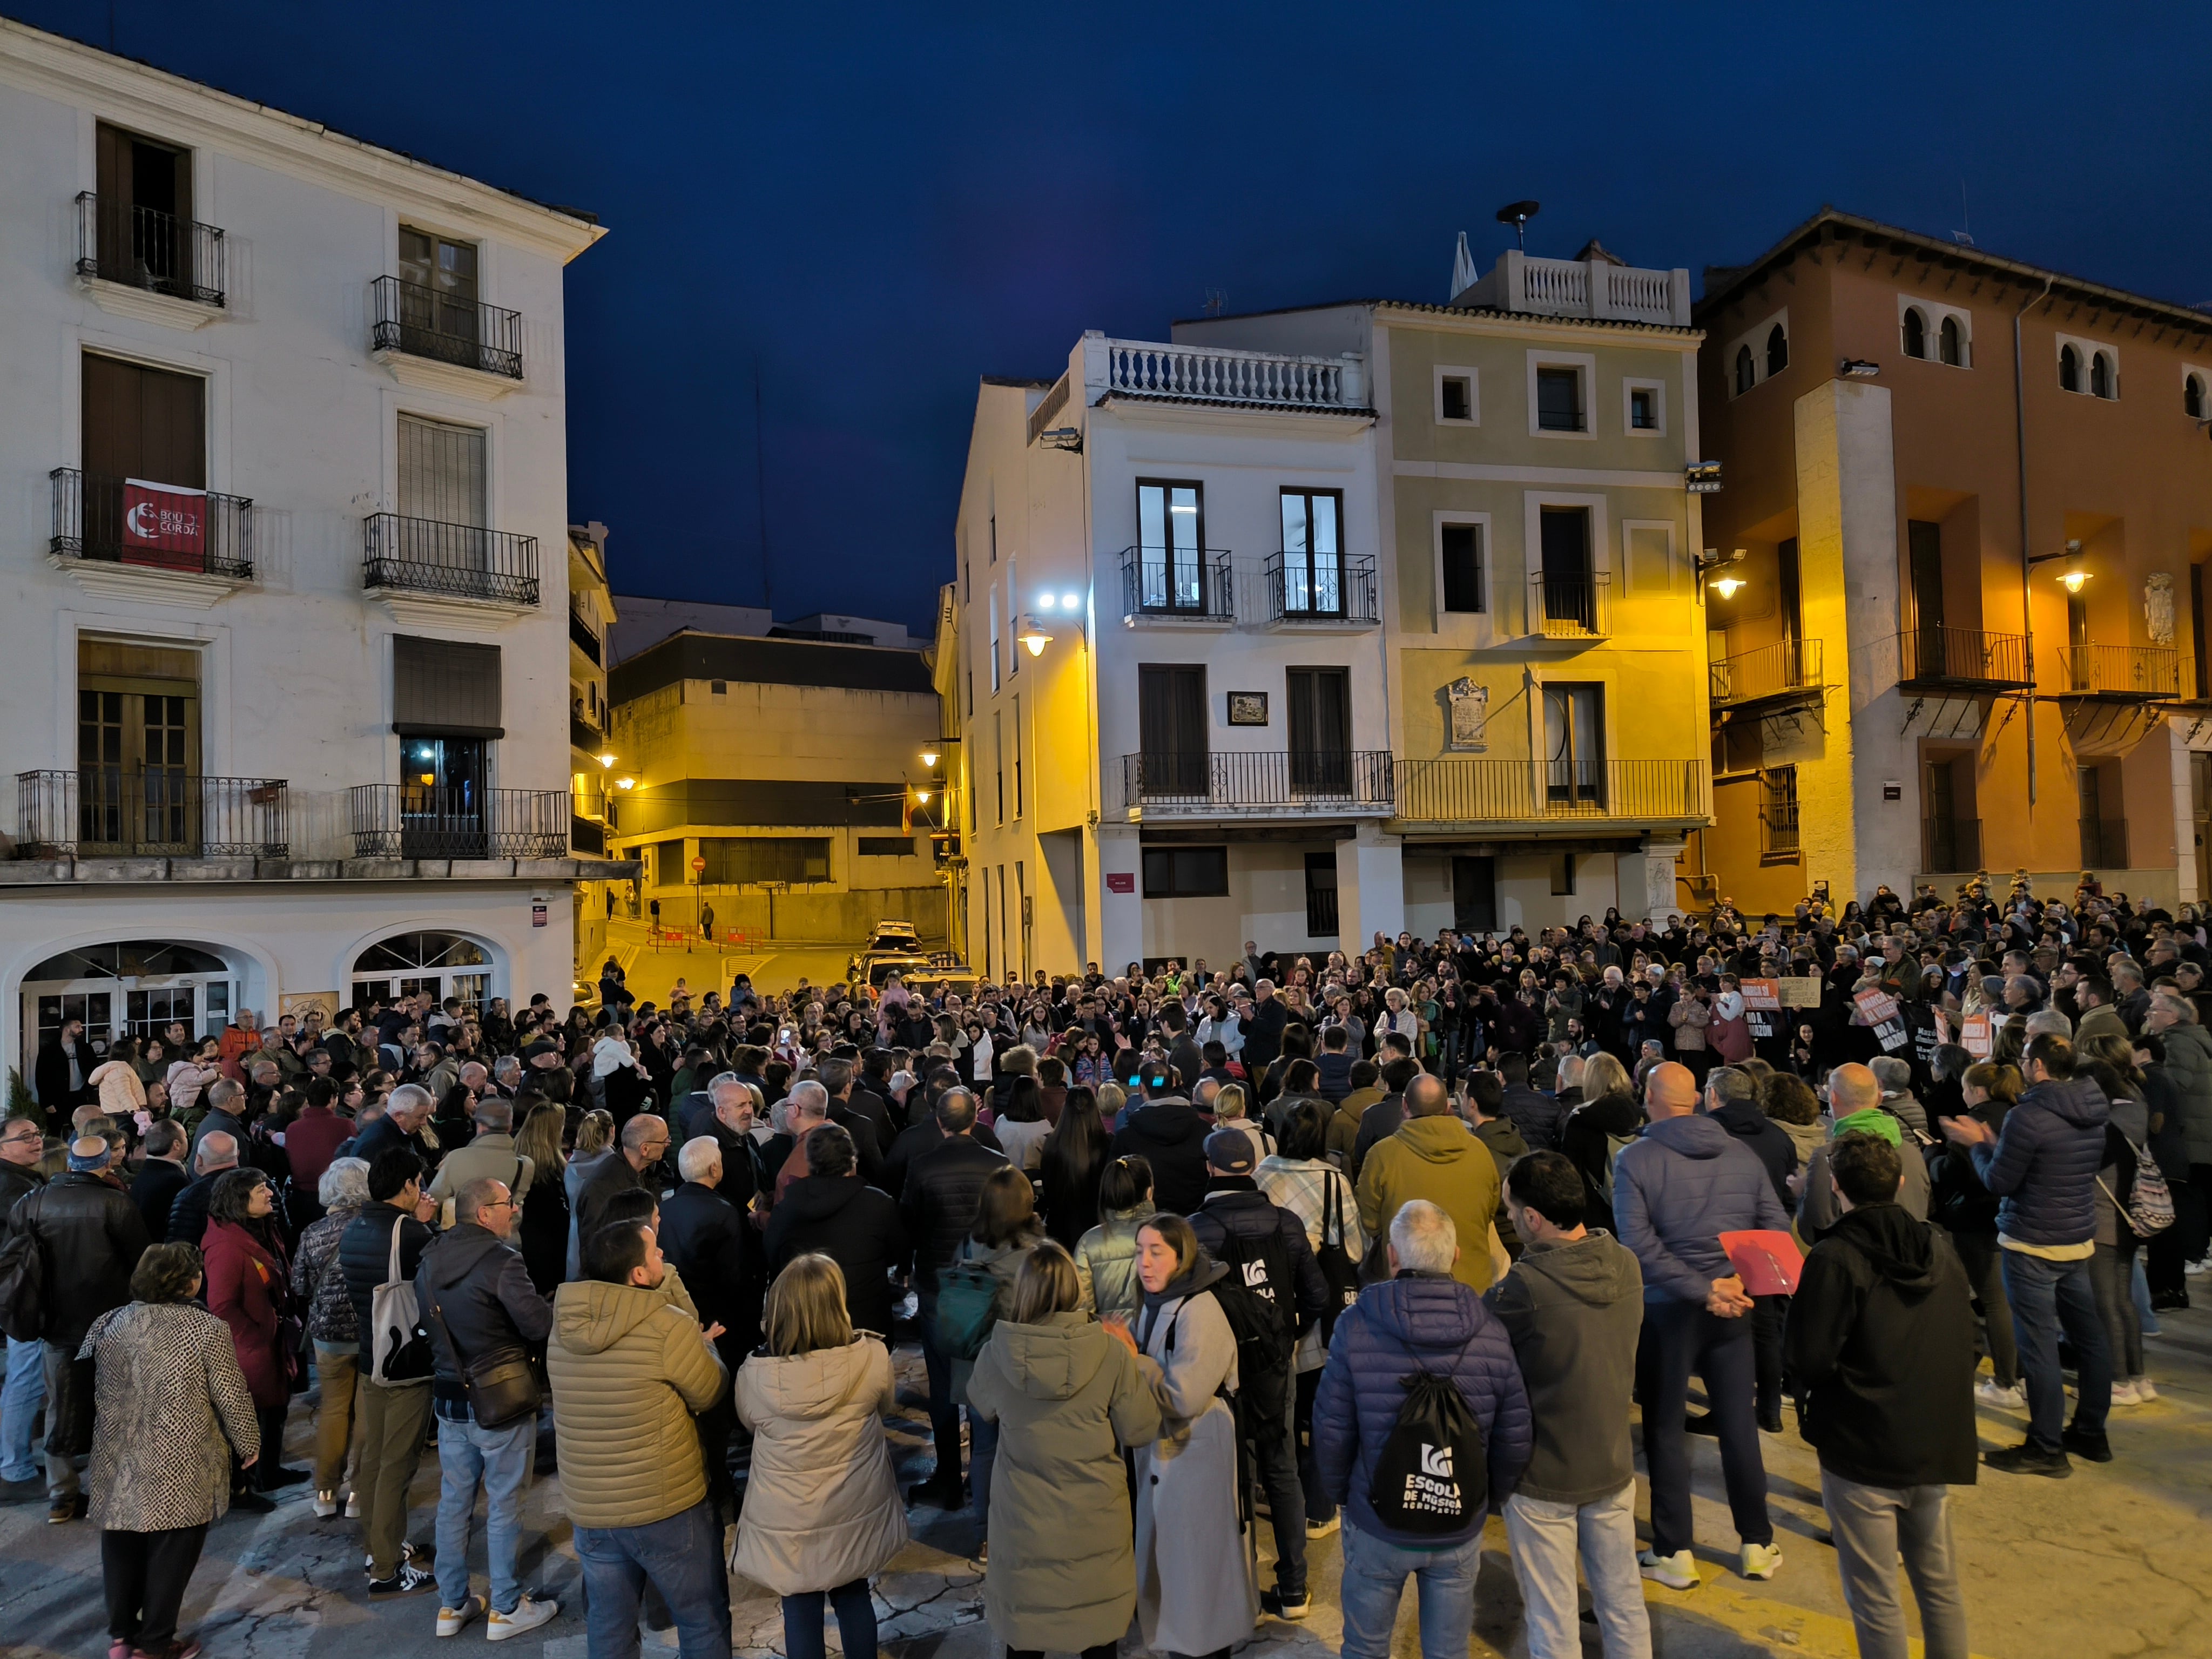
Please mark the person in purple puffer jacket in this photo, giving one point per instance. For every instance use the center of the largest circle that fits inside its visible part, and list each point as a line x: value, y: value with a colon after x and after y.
x: 1421, y: 1319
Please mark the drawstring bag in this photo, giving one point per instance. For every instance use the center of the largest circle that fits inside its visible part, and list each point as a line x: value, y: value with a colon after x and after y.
x: 1431, y: 1476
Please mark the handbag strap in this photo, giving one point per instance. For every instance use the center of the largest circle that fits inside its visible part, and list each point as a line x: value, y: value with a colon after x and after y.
x: 391, y: 1266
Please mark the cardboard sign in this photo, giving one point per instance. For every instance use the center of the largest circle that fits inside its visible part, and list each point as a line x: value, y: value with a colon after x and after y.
x: 1769, y: 1263
x: 164, y: 524
x: 1799, y: 992
x: 1977, y: 1035
x: 1762, y: 995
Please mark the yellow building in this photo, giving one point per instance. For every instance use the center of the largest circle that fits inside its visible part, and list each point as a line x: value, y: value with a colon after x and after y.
x: 591, y: 622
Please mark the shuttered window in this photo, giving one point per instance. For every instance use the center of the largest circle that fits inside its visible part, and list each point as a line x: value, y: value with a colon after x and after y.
x: 442, y: 472
x: 141, y: 422
x: 441, y: 688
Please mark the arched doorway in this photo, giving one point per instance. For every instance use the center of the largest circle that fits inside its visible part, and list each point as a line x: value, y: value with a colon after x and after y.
x: 408, y: 964
x: 133, y: 987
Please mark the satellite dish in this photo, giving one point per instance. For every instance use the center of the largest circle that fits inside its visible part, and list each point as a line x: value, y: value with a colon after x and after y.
x: 1517, y: 214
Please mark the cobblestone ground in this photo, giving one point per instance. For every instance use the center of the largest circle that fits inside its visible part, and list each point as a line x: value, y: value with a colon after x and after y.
x: 2114, y: 1562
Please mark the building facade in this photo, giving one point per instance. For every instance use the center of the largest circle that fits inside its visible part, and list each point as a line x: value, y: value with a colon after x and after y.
x: 1974, y: 499
x: 285, y: 439
x: 1316, y: 624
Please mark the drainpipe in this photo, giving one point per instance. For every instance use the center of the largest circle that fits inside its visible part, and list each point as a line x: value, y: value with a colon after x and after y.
x: 2019, y: 443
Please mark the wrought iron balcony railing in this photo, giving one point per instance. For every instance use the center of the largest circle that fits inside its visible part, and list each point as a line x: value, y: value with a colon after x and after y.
x: 1193, y: 585
x: 2145, y: 673
x: 422, y: 322
x: 1772, y: 671
x: 1320, y: 587
x: 1452, y: 790
x: 581, y: 635
x: 119, y: 241
x: 1962, y: 658
x: 160, y: 527
x: 420, y: 821
x: 458, y: 561
x: 1563, y: 606
x: 1257, y: 781
x: 110, y: 810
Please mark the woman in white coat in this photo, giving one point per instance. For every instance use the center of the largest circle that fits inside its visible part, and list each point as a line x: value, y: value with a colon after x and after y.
x: 822, y: 1511
x: 1197, y: 1590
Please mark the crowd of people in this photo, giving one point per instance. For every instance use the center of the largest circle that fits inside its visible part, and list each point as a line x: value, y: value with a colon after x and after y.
x: 1204, y: 1263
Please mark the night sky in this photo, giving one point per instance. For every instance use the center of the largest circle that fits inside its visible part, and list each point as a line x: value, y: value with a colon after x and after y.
x: 876, y: 205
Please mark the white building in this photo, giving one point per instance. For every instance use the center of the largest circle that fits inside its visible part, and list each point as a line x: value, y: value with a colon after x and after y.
x: 283, y: 568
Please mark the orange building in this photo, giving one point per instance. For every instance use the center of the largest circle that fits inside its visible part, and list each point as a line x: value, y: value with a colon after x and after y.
x: 1957, y: 622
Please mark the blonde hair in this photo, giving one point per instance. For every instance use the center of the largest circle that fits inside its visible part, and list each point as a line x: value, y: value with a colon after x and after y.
x: 805, y: 1307
x: 1112, y: 1097
x: 1602, y: 1075
x: 1046, y: 1285
x: 1229, y: 1105
x: 596, y: 1132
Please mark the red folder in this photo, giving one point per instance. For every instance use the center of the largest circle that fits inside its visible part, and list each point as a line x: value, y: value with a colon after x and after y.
x: 1768, y: 1262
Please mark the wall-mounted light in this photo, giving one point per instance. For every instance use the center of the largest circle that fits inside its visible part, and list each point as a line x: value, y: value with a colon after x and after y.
x: 1858, y: 368
x: 1702, y: 477
x: 1711, y: 559
x: 930, y: 757
x: 1071, y: 602
x: 2071, y: 581
x: 606, y: 760
x: 921, y: 798
x: 1062, y: 437
x: 1034, y: 636
x: 1727, y: 586
x: 625, y: 783
x: 2074, y: 576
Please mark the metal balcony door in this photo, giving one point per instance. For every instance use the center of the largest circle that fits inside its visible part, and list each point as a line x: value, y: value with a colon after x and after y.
x: 1569, y: 585
x: 438, y: 307
x: 1320, y: 731
x: 1925, y: 554
x: 1171, y: 730
x: 441, y: 798
x: 443, y: 480
x: 1313, y: 552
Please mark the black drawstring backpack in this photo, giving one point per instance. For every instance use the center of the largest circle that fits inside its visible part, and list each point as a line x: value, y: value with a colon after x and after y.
x: 1431, y: 1475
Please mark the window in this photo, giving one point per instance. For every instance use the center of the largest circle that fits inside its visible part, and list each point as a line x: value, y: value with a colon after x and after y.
x: 1017, y: 755
x: 137, y: 747
x: 1172, y: 730
x: 998, y: 760
x: 884, y: 846
x: 1746, y: 374
x: 1643, y: 409
x: 733, y: 861
x: 1186, y: 872
x: 1951, y: 343
x: 2104, y: 380
x: 144, y: 214
x: 143, y: 423
x: 1462, y: 567
x: 439, y: 263
x: 1778, y: 813
x: 1562, y: 874
x: 718, y: 688
x: 1916, y: 332
x: 1170, y: 543
x: 1457, y: 403
x: 1570, y: 589
x: 1313, y: 553
x: 1559, y: 400
x: 995, y: 539
x: 438, y: 314
x: 2070, y: 369
x: 1013, y: 626
x: 994, y: 639
x: 1321, y: 896
x: 2192, y: 397
x: 1777, y: 350
x: 441, y: 472
x: 1574, y: 728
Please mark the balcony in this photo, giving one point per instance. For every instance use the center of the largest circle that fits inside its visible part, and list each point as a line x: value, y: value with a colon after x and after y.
x: 1962, y: 659
x: 1145, y: 371
x: 1262, y: 782
x: 418, y: 821
x: 1475, y: 792
x: 1320, y: 590
x: 1187, y: 585
x: 2104, y: 844
x: 106, y: 811
x: 137, y: 247
x: 449, y: 561
x: 584, y: 736
x: 2119, y: 673
x: 123, y: 537
x: 1950, y: 845
x: 1790, y: 669
x: 1595, y: 288
x: 580, y: 636
x: 413, y: 321
x: 1572, y: 608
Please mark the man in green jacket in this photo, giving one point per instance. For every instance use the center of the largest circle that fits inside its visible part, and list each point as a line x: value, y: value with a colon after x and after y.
x: 1432, y: 1155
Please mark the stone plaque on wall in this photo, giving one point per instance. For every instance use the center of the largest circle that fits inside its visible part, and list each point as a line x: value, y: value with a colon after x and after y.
x: 1467, y: 733
x: 2158, y: 607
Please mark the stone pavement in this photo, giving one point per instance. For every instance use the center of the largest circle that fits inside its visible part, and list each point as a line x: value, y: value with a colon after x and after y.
x: 2117, y: 1561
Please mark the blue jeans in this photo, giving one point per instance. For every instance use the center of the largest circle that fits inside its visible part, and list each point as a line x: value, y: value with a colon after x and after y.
x: 683, y: 1557
x: 20, y: 1400
x: 856, y: 1622
x: 1374, y: 1573
x: 501, y: 1459
x: 2047, y: 1296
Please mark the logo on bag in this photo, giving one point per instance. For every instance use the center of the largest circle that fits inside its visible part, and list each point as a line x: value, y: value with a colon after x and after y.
x: 1255, y: 1275
x: 1437, y: 1460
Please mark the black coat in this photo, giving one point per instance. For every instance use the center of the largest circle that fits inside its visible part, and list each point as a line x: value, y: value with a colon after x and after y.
x: 188, y: 1210
x: 365, y: 1255
x: 705, y: 1239
x: 542, y: 1234
x: 90, y: 1235
x: 16, y: 1183
x: 49, y: 1076
x: 1881, y: 1336
x: 482, y: 1292
x: 944, y: 1190
x: 613, y: 1176
x: 156, y: 1192
x: 867, y: 1143
x: 1168, y: 1134
x: 1768, y: 1141
x: 855, y: 1225
x: 865, y: 1103
x: 912, y: 1143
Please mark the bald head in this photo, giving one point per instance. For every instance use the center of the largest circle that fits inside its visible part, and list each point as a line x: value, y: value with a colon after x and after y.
x: 1426, y: 1096
x: 1669, y: 1091
x: 1852, y: 1088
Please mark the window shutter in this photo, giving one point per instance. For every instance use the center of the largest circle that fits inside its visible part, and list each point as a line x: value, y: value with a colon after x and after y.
x: 441, y: 688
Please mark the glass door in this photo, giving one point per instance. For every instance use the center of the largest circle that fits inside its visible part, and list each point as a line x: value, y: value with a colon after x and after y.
x: 441, y: 798
x: 1313, y: 555
x: 1575, y: 768
x: 1170, y: 543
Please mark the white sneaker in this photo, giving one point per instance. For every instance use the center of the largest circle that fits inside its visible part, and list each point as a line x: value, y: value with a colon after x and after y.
x: 2126, y: 1393
x: 1322, y: 1529
x: 1761, y: 1560
x: 2194, y: 1269
x: 2146, y: 1391
x: 1676, y: 1572
x: 528, y: 1615
x: 450, y: 1620
x: 326, y: 1505
x: 353, y: 1506
x: 2011, y: 1399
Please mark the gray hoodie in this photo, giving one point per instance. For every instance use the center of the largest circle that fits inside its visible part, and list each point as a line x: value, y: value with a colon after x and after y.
x: 1574, y: 1311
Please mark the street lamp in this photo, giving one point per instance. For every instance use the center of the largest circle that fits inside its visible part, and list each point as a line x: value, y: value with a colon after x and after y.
x: 1034, y: 636
x: 606, y: 760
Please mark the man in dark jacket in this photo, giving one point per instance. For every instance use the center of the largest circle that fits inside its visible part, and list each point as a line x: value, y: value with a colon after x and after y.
x: 1168, y: 1132
x: 1263, y: 1029
x: 1238, y: 1225
x: 394, y: 1410
x: 943, y: 1191
x: 1573, y: 1304
x: 1382, y: 1120
x: 2042, y: 1166
x: 922, y: 1136
x: 89, y: 1236
x: 1880, y: 1339
x: 65, y: 1060
x: 161, y: 1179
x: 704, y: 1233
x: 832, y: 1210
x: 217, y: 1156
x: 1535, y: 1113
x: 480, y: 1306
x: 1422, y: 1320
x: 1684, y: 1181
x: 644, y: 1142
x: 22, y: 1144
x: 1732, y: 1102
x: 850, y: 1102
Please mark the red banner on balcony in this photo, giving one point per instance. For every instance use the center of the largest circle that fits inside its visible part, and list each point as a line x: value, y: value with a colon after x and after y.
x: 164, y: 524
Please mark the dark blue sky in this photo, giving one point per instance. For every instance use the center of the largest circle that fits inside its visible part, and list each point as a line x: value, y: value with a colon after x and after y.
x: 882, y: 203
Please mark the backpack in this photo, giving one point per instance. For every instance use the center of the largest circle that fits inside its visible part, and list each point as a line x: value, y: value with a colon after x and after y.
x: 2149, y: 1211
x: 400, y: 1347
x: 23, y: 1287
x: 1256, y: 1297
x: 1337, y: 1267
x: 967, y: 1306
x: 1431, y: 1475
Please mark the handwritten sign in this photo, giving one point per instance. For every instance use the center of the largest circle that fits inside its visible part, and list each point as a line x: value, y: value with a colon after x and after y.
x: 1977, y: 1035
x: 1879, y: 1009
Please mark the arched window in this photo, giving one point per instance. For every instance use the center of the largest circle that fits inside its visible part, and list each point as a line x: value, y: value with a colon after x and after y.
x: 2100, y: 376
x: 1916, y: 333
x: 406, y: 964
x: 1951, y: 342
x: 2070, y: 369
x: 1746, y: 374
x: 1777, y: 350
x: 2192, y: 397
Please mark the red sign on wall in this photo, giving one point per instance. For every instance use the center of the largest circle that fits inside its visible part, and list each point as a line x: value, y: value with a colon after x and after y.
x: 1121, y: 882
x: 164, y: 524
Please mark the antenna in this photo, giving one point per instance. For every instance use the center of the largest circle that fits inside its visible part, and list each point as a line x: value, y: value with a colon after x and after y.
x: 1517, y: 214
x: 760, y: 491
x: 1217, y: 300
x: 1964, y: 238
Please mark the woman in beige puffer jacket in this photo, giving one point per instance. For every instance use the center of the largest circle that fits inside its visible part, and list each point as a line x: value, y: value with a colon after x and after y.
x: 822, y: 1511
